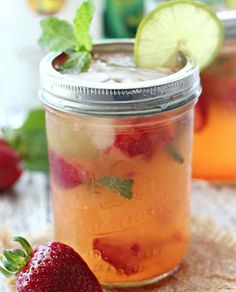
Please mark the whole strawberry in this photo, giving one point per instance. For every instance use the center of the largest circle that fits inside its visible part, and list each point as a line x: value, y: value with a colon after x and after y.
x: 10, y: 166
x: 50, y: 267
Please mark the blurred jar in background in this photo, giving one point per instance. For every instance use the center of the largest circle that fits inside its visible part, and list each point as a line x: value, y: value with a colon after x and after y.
x: 214, y: 155
x: 20, y: 53
x: 122, y: 17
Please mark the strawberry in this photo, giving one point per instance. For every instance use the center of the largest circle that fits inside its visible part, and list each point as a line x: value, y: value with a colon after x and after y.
x: 137, y: 143
x: 142, y: 142
x: 10, y: 166
x: 124, y: 258
x: 50, y: 267
x: 65, y: 174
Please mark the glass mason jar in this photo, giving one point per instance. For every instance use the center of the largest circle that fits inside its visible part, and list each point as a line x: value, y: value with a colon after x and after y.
x: 120, y: 163
x: 214, y: 154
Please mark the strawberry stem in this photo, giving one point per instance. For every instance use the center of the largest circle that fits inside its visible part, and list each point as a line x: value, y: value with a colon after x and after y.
x: 5, y: 273
x: 14, y: 260
x: 19, y: 252
x: 9, y: 266
x: 25, y: 244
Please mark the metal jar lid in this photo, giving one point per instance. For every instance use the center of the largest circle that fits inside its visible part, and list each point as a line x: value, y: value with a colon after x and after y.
x: 228, y: 19
x: 60, y: 92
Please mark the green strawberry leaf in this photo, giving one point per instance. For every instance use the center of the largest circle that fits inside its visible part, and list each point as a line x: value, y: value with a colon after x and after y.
x: 82, y: 24
x: 35, y: 119
x: 30, y: 141
x: 77, y: 61
x: 57, y: 35
x: 123, y: 185
x: 13, y: 260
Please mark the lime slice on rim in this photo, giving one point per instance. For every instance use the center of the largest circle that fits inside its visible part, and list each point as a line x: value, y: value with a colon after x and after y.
x: 176, y: 26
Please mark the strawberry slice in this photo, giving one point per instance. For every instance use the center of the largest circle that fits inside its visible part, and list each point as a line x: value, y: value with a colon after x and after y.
x: 125, y: 258
x: 137, y: 143
x: 65, y: 174
x: 142, y: 142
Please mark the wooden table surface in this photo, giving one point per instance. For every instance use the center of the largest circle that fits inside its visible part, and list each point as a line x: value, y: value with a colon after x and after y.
x: 26, y: 209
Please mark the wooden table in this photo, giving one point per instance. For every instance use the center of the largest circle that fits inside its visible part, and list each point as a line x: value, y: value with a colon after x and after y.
x: 26, y: 209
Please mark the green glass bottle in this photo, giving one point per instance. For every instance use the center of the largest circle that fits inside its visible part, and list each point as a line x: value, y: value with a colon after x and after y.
x: 122, y: 17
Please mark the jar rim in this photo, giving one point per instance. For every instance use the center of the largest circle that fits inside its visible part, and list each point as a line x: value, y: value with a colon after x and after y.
x: 121, y: 99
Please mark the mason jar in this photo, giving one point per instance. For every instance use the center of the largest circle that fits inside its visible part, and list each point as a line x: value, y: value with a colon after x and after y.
x: 214, y: 155
x: 120, y: 165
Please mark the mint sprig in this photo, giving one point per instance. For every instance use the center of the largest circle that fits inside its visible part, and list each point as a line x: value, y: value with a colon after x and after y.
x: 81, y: 24
x: 57, y: 35
x: 123, y: 185
x: 77, y: 61
x: 74, y: 40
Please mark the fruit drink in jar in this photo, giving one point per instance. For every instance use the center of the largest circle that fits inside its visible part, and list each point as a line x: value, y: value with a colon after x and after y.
x: 120, y: 141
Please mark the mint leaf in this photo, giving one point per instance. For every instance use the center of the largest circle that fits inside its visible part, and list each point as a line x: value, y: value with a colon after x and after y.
x: 77, y: 61
x: 75, y: 41
x: 82, y: 24
x: 30, y: 141
x: 122, y: 185
x: 57, y: 35
x: 35, y: 119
